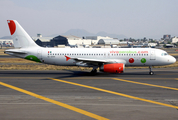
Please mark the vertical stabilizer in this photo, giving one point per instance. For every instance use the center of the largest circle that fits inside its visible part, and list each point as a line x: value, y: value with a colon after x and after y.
x: 20, y: 37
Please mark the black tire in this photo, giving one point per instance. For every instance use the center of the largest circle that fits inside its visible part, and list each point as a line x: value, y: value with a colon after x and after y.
x: 151, y: 73
x: 94, y: 71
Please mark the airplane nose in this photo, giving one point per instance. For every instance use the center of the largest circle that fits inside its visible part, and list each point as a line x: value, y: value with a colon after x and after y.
x: 172, y: 60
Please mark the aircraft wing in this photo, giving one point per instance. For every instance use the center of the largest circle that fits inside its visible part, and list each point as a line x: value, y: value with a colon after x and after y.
x: 96, y: 61
x: 90, y: 60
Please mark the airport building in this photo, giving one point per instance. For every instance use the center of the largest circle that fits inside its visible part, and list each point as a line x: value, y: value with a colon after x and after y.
x: 6, y: 42
x: 166, y: 37
x: 174, y: 40
x: 42, y: 41
x: 72, y: 41
x: 108, y: 42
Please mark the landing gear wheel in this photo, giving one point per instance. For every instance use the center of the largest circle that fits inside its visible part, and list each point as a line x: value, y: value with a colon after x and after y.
x: 151, y: 73
x: 94, y: 71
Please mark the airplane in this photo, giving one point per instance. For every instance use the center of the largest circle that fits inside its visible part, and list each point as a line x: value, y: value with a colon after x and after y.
x: 112, y: 60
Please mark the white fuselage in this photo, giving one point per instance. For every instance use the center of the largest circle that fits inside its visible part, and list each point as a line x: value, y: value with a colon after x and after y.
x: 131, y: 56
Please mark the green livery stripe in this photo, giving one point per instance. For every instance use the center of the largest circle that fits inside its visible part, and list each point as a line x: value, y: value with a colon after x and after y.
x: 32, y: 58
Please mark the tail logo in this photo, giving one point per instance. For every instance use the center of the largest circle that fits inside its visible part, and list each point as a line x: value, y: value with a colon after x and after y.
x: 12, y: 26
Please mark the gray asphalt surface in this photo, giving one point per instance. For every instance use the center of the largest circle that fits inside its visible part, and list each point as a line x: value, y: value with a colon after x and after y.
x: 15, y: 105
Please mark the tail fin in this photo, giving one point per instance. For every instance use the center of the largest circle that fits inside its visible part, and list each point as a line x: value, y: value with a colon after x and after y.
x: 20, y: 37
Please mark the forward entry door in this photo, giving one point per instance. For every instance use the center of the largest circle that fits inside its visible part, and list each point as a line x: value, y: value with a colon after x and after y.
x: 152, y: 56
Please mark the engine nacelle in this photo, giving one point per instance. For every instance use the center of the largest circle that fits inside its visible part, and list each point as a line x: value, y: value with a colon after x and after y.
x: 113, y: 68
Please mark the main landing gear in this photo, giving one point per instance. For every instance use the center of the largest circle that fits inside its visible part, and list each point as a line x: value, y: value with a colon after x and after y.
x: 151, y: 72
x: 94, y: 70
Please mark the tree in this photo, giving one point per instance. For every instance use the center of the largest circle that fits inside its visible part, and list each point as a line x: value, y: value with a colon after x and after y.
x: 176, y: 44
x: 164, y: 45
x: 168, y: 42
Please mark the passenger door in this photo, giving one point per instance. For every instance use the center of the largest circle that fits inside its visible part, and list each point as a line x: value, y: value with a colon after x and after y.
x: 152, y: 55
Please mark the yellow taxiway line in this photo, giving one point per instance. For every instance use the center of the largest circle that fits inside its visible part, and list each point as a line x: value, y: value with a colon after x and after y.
x: 115, y: 93
x: 146, y: 84
x: 101, y: 78
x: 89, y: 114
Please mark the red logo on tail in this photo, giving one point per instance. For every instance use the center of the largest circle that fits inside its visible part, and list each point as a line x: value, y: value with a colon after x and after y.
x: 12, y: 26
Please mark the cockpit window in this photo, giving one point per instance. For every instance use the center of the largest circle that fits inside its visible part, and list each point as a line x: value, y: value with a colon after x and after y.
x: 164, y: 54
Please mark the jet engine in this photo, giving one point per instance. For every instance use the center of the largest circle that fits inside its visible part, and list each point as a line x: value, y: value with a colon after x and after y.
x: 113, y: 68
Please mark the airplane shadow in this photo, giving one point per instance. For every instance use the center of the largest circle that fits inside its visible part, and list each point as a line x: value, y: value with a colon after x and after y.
x: 100, y: 74
x: 71, y: 73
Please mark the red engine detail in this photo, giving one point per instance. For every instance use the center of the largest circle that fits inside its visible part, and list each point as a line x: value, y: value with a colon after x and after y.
x: 113, y: 68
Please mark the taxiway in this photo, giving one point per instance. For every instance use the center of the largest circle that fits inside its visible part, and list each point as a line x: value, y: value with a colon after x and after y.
x: 75, y: 95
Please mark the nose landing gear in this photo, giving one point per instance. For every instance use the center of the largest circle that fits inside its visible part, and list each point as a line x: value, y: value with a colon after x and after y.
x: 151, y: 72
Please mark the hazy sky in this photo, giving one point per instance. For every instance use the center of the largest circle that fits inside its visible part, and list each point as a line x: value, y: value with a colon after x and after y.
x: 132, y: 18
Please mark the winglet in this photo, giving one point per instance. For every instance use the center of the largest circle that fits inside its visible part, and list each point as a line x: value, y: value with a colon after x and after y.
x: 67, y: 58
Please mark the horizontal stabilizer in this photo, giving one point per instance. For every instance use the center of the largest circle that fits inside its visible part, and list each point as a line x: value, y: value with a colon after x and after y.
x: 16, y: 51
